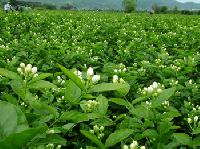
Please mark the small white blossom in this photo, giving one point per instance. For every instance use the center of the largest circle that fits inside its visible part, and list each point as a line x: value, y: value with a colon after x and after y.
x: 22, y: 65
x: 150, y: 90
x: 134, y: 145
x: 95, y: 78
x: 34, y: 70
x: 115, y: 79
x: 155, y: 85
x: 125, y: 147
x: 142, y: 147
x: 90, y: 71
x: 189, y: 120
x: 195, y: 118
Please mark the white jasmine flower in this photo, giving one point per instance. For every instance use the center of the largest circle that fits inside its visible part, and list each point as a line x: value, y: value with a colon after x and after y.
x: 90, y: 71
x: 159, y: 90
x: 19, y: 70
x: 125, y: 147
x: 115, y: 79
x: 142, y: 147
x: 195, y: 118
x: 134, y: 145
x: 155, y: 85
x: 150, y: 90
x: 34, y: 70
x: 22, y: 65
x: 95, y: 78
x: 189, y: 120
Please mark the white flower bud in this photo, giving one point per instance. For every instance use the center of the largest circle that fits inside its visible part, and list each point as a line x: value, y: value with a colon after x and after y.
x: 159, y: 90
x: 58, y: 77
x: 125, y: 147
x: 155, y: 85
x: 35, y: 75
x: 58, y: 147
x: 115, y: 79
x: 19, y: 70
x: 63, y: 82
x: 134, y: 145
x: 189, y: 120
x: 96, y: 78
x: 22, y: 65
x: 190, y: 81
x: 150, y: 90
x: 28, y: 68
x: 96, y: 128
x: 142, y: 147
x: 90, y: 72
x: 34, y: 70
x: 195, y: 118
x: 121, y: 80
x: 102, y: 128
x: 92, y: 131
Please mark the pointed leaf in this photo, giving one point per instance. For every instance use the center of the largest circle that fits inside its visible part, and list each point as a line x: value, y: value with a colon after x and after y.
x: 118, y: 136
x: 93, y: 138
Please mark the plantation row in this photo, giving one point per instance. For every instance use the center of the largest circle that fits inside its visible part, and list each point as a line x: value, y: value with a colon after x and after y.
x: 99, y: 80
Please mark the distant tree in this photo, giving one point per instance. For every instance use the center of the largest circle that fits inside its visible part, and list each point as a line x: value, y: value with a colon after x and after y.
x: 67, y: 7
x: 175, y: 9
x: 156, y: 8
x: 129, y: 5
x: 13, y: 2
x: 163, y: 9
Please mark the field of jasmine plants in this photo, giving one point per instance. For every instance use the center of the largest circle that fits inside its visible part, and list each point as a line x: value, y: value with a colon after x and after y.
x: 96, y: 80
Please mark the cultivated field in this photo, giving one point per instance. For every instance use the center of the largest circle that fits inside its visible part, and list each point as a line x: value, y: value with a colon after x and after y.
x: 99, y: 80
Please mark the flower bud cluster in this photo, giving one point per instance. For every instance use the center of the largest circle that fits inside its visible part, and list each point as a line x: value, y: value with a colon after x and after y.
x: 60, y: 80
x: 91, y: 105
x: 165, y: 104
x: 27, y: 70
x: 194, y: 119
x: 116, y: 79
x: 133, y: 145
x: 173, y: 82
x: 51, y: 146
x: 154, y: 89
x: 98, y: 130
x: 61, y: 99
x: 90, y: 75
x: 120, y: 68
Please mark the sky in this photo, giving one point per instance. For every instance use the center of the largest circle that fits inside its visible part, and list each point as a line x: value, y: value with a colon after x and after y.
x: 196, y: 1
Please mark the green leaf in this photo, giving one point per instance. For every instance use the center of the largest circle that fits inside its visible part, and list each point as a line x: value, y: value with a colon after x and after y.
x: 103, y: 104
x: 165, y: 95
x: 118, y: 136
x: 121, y: 102
x: 74, y: 116
x: 102, y: 121
x: 141, y: 112
x: 19, y: 88
x: 40, y: 77
x: 93, y: 138
x: 8, y: 119
x: 41, y: 84
x: 9, y: 74
x: 151, y: 133
x: 53, y: 139
x: 140, y: 99
x: 68, y: 126
x: 72, y: 92
x: 196, y: 130
x: 73, y: 77
x: 11, y: 99
x: 44, y: 109
x: 20, y: 140
x: 183, y: 138
x: 122, y: 89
